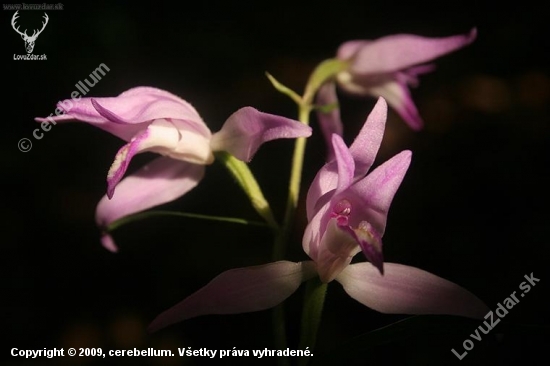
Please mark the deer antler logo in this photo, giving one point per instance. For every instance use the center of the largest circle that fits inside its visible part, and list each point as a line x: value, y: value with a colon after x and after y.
x: 29, y: 41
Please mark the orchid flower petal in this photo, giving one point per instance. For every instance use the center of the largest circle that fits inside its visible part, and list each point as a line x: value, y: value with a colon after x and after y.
x: 160, y: 134
x: 398, y: 96
x: 363, y: 150
x: 108, y: 242
x: 124, y: 132
x: 387, y: 66
x: 120, y: 115
x: 193, y: 146
x: 372, y: 196
x: 246, y: 129
x: 369, y: 241
x: 396, y: 52
x: 142, y: 104
x: 162, y: 180
x: 408, y: 290
x: 151, y: 91
x: 344, y: 163
x: 321, y: 189
x: 240, y: 290
x: 348, y: 49
x: 365, y: 146
x: 329, y: 122
x: 313, y: 232
x: 336, y: 251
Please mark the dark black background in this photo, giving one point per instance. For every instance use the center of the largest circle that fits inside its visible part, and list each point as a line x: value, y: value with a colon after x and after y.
x: 472, y: 208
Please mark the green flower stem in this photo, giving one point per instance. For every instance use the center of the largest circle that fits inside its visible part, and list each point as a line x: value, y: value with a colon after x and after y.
x: 283, y: 235
x: 324, y: 72
x: 315, y: 294
x: 279, y: 332
x: 314, y: 300
x: 248, y: 183
x: 144, y: 215
x: 293, y: 187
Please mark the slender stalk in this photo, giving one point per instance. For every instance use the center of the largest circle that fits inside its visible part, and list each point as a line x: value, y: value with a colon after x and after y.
x: 324, y: 72
x: 250, y: 186
x: 314, y: 300
x: 279, y: 332
x: 144, y: 215
x: 293, y: 188
x: 283, y: 235
x: 315, y: 293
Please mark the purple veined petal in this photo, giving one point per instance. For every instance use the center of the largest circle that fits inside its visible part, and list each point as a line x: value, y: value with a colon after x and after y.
x: 161, y: 135
x: 336, y: 251
x: 371, y: 197
x: 329, y: 122
x: 408, y: 290
x: 344, y: 163
x: 162, y: 180
x: 393, y: 53
x: 365, y: 146
x: 246, y: 129
x: 240, y: 290
x: 399, y: 98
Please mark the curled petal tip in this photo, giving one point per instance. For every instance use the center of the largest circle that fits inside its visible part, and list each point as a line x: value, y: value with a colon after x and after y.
x: 376, y: 258
x: 110, y: 191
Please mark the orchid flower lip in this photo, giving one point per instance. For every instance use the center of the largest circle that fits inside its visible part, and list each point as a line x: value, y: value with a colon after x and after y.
x: 364, y: 234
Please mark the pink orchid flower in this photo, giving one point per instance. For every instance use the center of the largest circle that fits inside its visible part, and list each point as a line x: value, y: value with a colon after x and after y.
x: 386, y: 66
x: 154, y: 120
x: 347, y: 211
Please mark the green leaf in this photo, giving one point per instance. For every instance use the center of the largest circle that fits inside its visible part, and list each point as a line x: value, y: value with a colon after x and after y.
x: 147, y: 214
x: 312, y: 310
x: 284, y: 89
